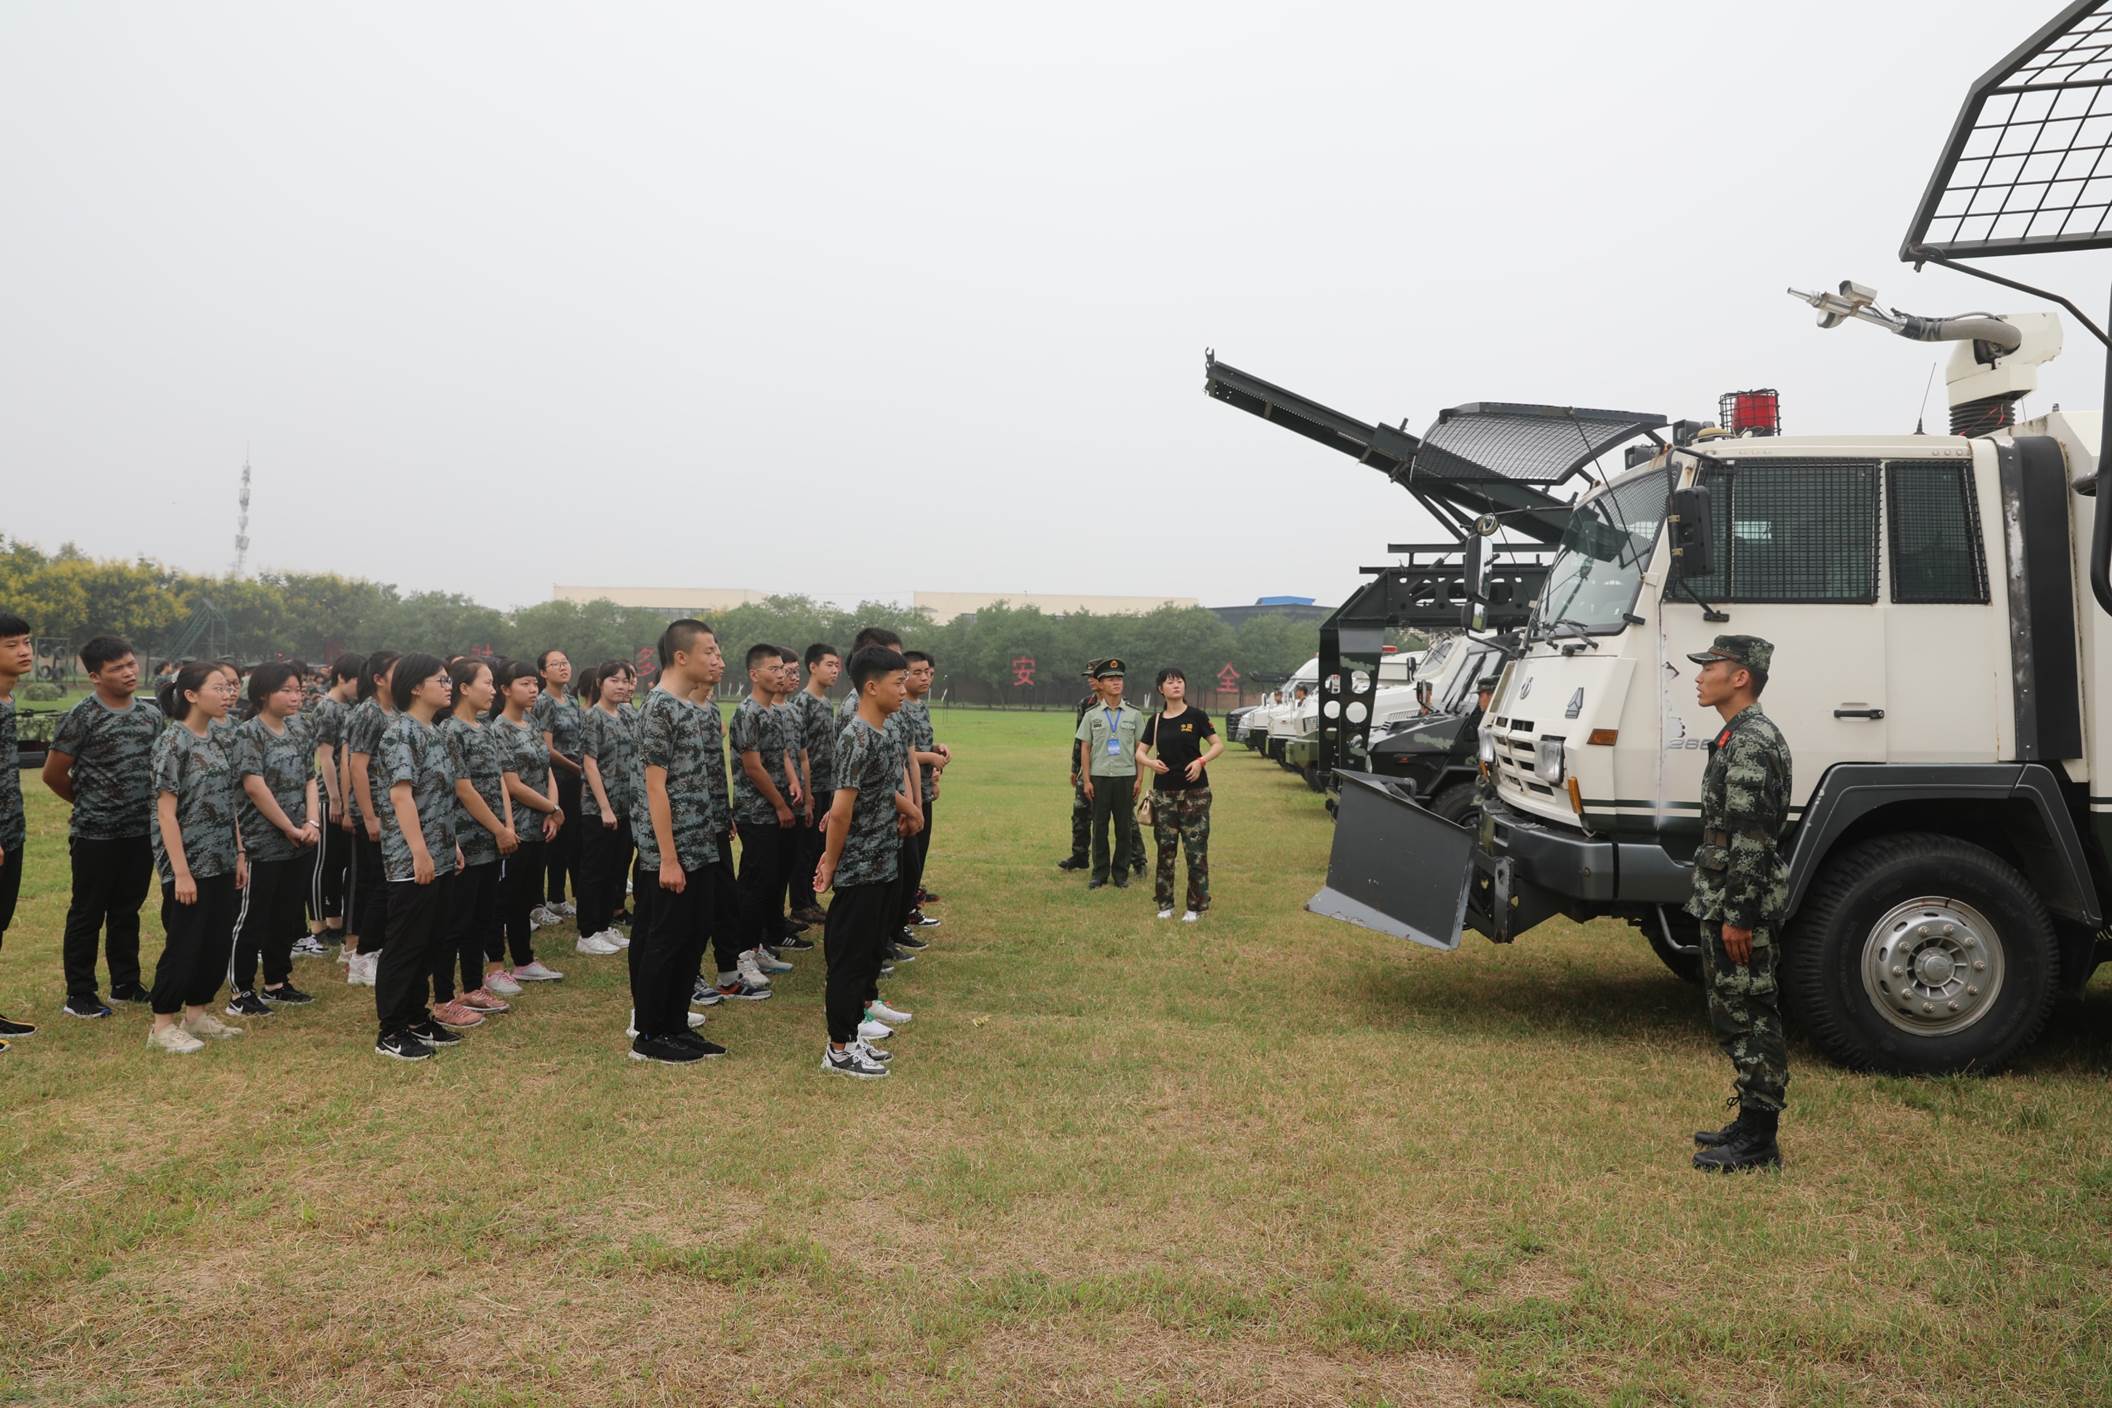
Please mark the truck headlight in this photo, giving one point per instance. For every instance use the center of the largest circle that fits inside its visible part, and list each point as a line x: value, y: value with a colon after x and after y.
x: 1547, y: 760
x: 1486, y: 747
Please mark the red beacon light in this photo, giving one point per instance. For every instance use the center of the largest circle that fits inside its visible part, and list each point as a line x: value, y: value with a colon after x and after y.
x: 1751, y: 412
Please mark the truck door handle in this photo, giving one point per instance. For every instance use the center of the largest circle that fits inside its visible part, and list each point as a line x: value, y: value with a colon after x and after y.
x: 1858, y: 713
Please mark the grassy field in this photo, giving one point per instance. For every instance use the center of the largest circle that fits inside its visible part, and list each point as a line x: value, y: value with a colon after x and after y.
x: 1269, y: 1159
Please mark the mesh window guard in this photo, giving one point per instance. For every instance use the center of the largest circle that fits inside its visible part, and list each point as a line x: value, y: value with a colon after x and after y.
x: 1792, y: 531
x: 1932, y: 519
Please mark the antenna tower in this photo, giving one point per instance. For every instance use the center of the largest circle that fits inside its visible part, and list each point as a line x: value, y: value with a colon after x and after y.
x: 242, y: 521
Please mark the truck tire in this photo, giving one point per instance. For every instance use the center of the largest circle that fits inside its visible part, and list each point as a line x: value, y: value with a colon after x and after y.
x: 1315, y: 779
x: 1685, y: 964
x: 1456, y: 804
x: 1921, y: 955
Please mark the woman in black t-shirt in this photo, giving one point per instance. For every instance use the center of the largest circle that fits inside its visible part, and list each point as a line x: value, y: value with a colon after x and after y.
x: 1180, y: 791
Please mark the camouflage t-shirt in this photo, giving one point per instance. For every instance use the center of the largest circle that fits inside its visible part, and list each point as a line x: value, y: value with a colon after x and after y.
x: 113, y: 778
x: 473, y: 754
x: 12, y: 829
x: 610, y: 741
x: 364, y: 727
x: 196, y: 770
x: 869, y: 762
x: 711, y: 728
x: 916, y: 716
x: 562, y: 719
x: 521, y: 752
x: 755, y: 729
x: 817, y: 734
x: 669, y: 737
x: 285, y: 760
x: 326, y: 721
x: 414, y: 752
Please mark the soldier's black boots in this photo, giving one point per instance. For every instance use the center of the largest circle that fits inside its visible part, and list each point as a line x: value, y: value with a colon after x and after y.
x: 1749, y: 1142
x: 1710, y: 1138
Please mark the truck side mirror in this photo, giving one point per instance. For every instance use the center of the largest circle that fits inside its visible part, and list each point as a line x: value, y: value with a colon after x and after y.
x: 1688, y: 521
x: 1475, y: 583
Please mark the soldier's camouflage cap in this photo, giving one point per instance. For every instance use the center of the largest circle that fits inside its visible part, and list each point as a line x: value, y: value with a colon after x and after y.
x: 1750, y: 651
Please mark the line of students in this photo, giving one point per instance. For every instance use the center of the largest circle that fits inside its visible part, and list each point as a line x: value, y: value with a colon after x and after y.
x: 389, y: 808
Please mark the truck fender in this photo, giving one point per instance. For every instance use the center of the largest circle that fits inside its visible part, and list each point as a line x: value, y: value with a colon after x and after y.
x: 2059, y: 870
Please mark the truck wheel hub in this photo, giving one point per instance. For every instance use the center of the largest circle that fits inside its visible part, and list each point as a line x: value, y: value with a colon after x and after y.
x: 1932, y: 965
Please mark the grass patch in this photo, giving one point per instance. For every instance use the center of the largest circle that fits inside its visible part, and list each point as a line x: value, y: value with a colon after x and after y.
x: 1267, y: 1159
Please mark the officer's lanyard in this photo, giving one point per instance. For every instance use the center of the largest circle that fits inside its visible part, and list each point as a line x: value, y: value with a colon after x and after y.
x: 1114, y: 732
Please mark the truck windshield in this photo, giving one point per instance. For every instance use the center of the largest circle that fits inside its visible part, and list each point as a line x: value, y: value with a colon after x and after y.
x: 1593, y: 580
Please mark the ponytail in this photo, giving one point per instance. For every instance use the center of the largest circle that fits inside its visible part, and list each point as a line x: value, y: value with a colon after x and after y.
x: 189, y: 680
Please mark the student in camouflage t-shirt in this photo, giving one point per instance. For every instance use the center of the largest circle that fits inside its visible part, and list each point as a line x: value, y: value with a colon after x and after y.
x: 326, y: 723
x: 18, y: 657
x: 817, y: 735
x: 419, y: 853
x: 198, y: 852
x: 862, y: 854
x: 273, y: 755
x: 762, y: 799
x: 560, y: 717
x: 525, y: 763
x: 99, y: 763
x: 605, y: 746
x: 365, y: 798
x: 484, y: 831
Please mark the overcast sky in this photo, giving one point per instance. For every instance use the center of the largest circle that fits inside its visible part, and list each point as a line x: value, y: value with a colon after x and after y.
x: 863, y: 299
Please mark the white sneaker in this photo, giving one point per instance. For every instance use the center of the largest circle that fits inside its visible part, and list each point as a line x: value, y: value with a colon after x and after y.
x: 308, y: 946
x: 764, y: 961
x: 502, y: 983
x: 850, y: 1062
x: 594, y: 943
x: 205, y: 1024
x: 344, y: 955
x: 359, y: 973
x: 696, y: 1019
x: 870, y: 1030
x: 871, y: 1052
x: 1166, y: 913
x: 173, y: 1039
x: 568, y: 909
x: 893, y: 1016
x: 536, y: 972
x: 542, y: 914
x: 616, y: 936
x: 1191, y: 917
x: 748, y: 968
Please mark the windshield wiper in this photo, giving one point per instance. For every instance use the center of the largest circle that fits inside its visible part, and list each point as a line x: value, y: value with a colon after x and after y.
x: 1577, y: 631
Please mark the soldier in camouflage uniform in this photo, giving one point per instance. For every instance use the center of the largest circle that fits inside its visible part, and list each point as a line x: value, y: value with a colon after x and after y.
x: 1081, y: 809
x: 17, y: 659
x: 1741, y: 891
x: 202, y: 871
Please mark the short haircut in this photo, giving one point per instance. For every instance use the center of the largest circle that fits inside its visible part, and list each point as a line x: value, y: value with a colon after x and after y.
x: 586, y: 685
x: 188, y: 680
x: 377, y: 664
x: 1171, y: 672
x: 916, y: 657
x: 267, y: 680
x: 12, y: 625
x: 787, y: 654
x: 105, y: 650
x: 1759, y: 678
x: 760, y: 654
x: 876, y: 635
x: 681, y: 636
x: 873, y: 661
x: 817, y: 652
x: 411, y: 671
x: 346, y: 667
x: 463, y: 672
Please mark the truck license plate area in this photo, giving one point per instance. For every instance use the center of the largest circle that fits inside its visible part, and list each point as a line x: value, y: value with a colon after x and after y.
x: 1395, y: 867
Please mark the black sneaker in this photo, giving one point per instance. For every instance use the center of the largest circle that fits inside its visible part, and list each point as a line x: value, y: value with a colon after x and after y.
x: 665, y: 1051
x: 925, y: 897
x: 129, y: 992
x: 434, y: 1035
x: 1072, y: 863
x: 88, y: 1007
x: 247, y: 1004
x: 403, y: 1046
x: 918, y: 919
x: 8, y: 1028
x: 795, y: 943
x: 700, y: 1043
x: 897, y: 954
x: 286, y: 995
x: 886, y: 968
x: 910, y: 941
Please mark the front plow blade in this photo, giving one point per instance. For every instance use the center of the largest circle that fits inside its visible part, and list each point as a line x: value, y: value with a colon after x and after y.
x: 1396, y: 867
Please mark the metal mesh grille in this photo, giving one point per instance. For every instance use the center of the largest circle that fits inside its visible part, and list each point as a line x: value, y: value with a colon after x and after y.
x: 1529, y: 444
x: 1792, y: 530
x: 2027, y: 167
x: 1932, y: 518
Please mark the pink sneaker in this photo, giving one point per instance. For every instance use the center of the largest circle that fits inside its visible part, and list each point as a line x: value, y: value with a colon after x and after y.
x: 489, y: 1003
x: 456, y: 1017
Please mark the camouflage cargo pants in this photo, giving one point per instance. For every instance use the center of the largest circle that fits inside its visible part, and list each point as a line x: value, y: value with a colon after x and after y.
x: 1182, y: 819
x: 1082, y: 830
x: 1745, y: 1012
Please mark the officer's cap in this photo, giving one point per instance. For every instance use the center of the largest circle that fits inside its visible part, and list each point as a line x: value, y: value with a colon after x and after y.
x: 1110, y: 668
x: 1092, y: 669
x: 1752, y: 652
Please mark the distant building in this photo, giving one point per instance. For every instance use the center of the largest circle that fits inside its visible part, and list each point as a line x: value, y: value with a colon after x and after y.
x: 680, y: 601
x: 1294, y: 608
x: 944, y: 606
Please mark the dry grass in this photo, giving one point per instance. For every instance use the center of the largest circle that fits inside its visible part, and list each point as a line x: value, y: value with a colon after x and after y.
x: 1272, y: 1160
